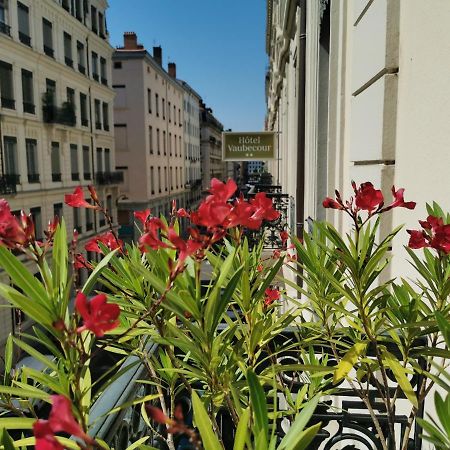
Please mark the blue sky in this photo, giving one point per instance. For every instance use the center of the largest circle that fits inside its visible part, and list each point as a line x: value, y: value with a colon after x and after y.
x: 218, y: 46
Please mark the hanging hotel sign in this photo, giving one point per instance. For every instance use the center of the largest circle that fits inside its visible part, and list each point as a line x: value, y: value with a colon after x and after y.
x: 251, y: 146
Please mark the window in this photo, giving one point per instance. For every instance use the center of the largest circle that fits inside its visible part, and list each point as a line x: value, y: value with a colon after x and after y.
x: 159, y: 179
x: 58, y: 209
x: 179, y: 117
x: 74, y: 162
x: 149, y: 100
x: 170, y: 144
x: 152, y: 180
x: 76, y: 220
x: 32, y: 161
x: 70, y: 96
x: 169, y: 113
x: 4, y: 28
x: 175, y: 145
x: 10, y: 151
x: 56, y: 162
x: 107, y: 160
x: 101, y: 25
x: 68, y: 49
x: 103, y: 71
x: 164, y: 143
x: 95, y: 66
x: 84, y: 110
x: 81, y: 58
x: 86, y: 163
x: 89, y: 216
x: 27, y: 92
x: 174, y: 114
x: 50, y: 88
x: 94, y: 19
x: 105, y: 116
x: 117, y: 64
x: 171, y: 178
x: 6, y: 86
x: 164, y: 108
x: 157, y: 104
x: 47, y: 32
x: 23, y: 14
x: 158, y: 148
x: 98, y: 120
x: 66, y: 5
x: 166, y: 181
x: 99, y: 160
x: 37, y: 220
x: 150, y: 139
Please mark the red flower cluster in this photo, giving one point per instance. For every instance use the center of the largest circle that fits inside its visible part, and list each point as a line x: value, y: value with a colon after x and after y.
x: 15, y: 231
x: 60, y: 419
x: 271, y: 295
x: 76, y: 200
x: 369, y: 199
x: 98, y: 316
x: 434, y: 234
x: 108, y: 239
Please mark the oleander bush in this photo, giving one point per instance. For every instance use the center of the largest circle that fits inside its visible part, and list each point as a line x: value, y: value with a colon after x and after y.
x: 220, y: 337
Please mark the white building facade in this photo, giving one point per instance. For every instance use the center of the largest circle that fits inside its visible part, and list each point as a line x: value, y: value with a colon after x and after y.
x: 55, y: 112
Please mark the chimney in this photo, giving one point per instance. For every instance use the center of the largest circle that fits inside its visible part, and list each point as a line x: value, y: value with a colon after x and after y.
x: 172, y: 69
x: 130, y: 40
x: 157, y: 54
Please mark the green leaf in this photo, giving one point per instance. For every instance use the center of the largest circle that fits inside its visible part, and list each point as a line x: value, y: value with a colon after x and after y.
x: 299, y: 424
x: 400, y: 375
x: 242, y: 430
x: 203, y: 423
x: 7, y: 442
x: 16, y: 423
x: 305, y: 437
x: 138, y: 443
x: 8, y: 360
x: 259, y: 406
x: 90, y: 282
x: 348, y: 361
x: 444, y: 326
x: 35, y: 354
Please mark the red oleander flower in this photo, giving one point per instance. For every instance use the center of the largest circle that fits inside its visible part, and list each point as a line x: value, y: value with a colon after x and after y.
x: 417, y: 239
x: 182, y: 213
x: 175, y: 426
x: 76, y: 200
x: 45, y: 438
x: 271, y: 295
x: 184, y: 248
x: 15, y: 231
x: 142, y: 216
x: 432, y: 223
x: 284, y: 236
x: 51, y: 228
x: 276, y: 254
x: 211, y: 213
x: 368, y: 198
x: 330, y: 203
x: 259, y: 267
x: 222, y: 191
x: 264, y: 208
x: 441, y: 239
x: 98, y: 316
x: 399, y: 201
x: 81, y: 263
x: 108, y: 239
x: 60, y: 419
x: 150, y: 239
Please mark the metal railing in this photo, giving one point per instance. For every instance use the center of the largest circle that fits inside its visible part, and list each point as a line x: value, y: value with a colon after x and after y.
x: 8, y: 183
x: 103, y: 178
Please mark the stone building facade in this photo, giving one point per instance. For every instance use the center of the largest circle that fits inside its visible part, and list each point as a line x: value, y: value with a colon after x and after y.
x: 55, y: 113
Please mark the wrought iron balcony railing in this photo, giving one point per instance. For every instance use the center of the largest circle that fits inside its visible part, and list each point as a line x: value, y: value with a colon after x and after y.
x: 81, y: 69
x: 68, y: 61
x: 56, y: 177
x: 5, y: 29
x: 25, y: 39
x: 8, y: 183
x: 33, y: 178
x: 103, y: 178
x: 8, y: 103
x: 49, y: 51
x: 29, y: 108
x: 65, y: 115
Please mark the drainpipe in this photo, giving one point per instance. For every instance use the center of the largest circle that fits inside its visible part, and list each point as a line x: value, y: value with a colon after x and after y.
x: 300, y: 192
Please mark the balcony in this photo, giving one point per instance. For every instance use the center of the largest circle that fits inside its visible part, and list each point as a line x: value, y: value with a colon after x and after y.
x: 8, y: 103
x: 89, y: 226
x: 65, y: 115
x: 75, y: 176
x: 82, y: 69
x: 5, y: 29
x: 25, y: 39
x: 106, y: 127
x: 104, y: 81
x: 95, y: 76
x: 8, y: 183
x: 103, y: 178
x: 84, y: 122
x: 98, y: 125
x: 33, y: 178
x: 87, y: 175
x: 49, y: 51
x: 29, y: 108
x: 56, y: 177
x: 68, y: 61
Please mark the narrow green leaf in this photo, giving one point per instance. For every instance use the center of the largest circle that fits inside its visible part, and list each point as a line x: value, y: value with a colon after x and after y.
x: 305, y: 438
x: 348, y: 361
x: 90, y: 282
x: 203, y: 423
x: 400, y: 375
x: 16, y: 423
x: 259, y: 405
x: 35, y: 354
x: 242, y: 430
